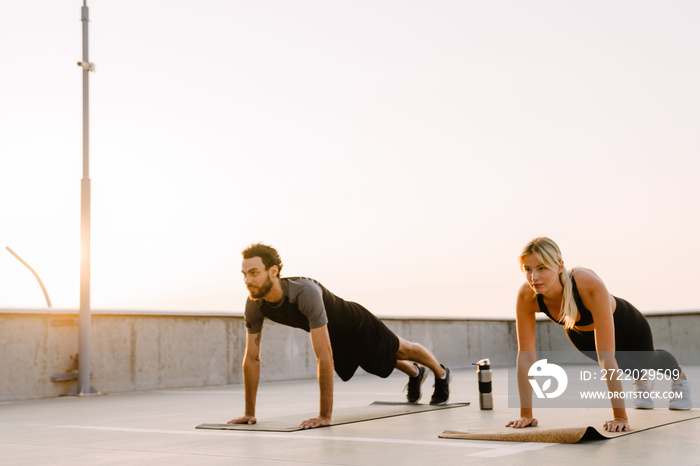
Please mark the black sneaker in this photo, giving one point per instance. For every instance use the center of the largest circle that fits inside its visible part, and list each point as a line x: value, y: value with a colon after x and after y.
x: 442, y: 388
x: 414, y: 384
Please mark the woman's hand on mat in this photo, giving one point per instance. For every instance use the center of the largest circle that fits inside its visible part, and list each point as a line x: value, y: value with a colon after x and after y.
x: 617, y: 425
x: 315, y: 422
x: 243, y: 420
x: 523, y: 422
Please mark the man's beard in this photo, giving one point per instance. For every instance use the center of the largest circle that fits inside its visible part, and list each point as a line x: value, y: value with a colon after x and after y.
x: 262, y: 291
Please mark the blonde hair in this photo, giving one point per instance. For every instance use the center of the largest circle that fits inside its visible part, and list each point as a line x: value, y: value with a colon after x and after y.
x: 548, y: 254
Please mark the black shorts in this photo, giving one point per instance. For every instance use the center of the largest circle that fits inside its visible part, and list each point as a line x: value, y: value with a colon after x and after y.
x: 371, y: 346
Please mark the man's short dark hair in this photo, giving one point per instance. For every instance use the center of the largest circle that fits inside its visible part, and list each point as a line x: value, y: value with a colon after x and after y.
x: 268, y: 254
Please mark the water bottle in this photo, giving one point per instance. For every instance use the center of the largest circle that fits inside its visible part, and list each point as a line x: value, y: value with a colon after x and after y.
x: 483, y: 375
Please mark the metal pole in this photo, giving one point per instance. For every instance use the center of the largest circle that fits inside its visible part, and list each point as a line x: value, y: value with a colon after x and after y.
x: 84, y: 387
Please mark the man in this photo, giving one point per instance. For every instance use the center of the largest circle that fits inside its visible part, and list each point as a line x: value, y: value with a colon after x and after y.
x: 344, y: 336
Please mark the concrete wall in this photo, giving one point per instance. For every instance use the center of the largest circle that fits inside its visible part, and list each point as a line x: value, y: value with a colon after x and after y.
x: 146, y: 351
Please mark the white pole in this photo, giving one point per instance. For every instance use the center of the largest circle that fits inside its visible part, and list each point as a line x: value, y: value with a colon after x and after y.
x: 84, y: 387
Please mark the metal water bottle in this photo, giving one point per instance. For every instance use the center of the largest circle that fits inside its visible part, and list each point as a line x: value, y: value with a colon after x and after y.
x: 483, y: 375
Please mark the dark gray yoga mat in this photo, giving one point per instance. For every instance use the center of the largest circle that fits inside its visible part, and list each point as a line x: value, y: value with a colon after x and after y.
x: 377, y: 410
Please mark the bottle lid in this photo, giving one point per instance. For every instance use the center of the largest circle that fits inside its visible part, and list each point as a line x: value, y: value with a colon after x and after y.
x: 483, y: 364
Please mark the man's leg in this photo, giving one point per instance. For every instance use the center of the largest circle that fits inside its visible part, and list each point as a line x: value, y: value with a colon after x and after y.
x: 415, y: 352
x: 408, y: 368
x: 410, y: 353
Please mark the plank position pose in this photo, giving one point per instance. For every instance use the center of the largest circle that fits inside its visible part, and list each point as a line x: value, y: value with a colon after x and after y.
x: 344, y: 335
x: 596, y: 322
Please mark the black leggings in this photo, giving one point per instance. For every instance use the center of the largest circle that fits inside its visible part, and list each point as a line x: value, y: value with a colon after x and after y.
x: 634, y: 345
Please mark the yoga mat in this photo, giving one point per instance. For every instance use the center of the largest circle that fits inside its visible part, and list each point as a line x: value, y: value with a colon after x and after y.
x: 574, y: 426
x: 377, y: 410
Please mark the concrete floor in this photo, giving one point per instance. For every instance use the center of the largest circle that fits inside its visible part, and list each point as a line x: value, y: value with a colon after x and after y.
x: 158, y: 428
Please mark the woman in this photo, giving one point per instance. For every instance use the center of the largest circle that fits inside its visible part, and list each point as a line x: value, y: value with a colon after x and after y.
x: 597, y: 323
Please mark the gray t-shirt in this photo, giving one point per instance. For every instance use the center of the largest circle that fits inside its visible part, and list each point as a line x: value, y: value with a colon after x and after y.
x: 301, y: 306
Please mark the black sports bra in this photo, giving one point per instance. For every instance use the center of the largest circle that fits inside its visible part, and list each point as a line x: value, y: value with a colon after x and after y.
x: 586, y: 316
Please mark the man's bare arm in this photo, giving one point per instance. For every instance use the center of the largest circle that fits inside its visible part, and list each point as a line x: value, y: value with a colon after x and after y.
x: 321, y: 342
x: 251, y: 377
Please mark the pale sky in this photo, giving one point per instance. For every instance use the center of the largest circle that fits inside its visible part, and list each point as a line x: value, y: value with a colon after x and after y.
x: 400, y: 152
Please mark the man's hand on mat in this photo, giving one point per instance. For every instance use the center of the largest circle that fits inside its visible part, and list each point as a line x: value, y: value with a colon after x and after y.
x: 315, y: 422
x: 523, y: 422
x: 243, y: 420
x: 616, y: 425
